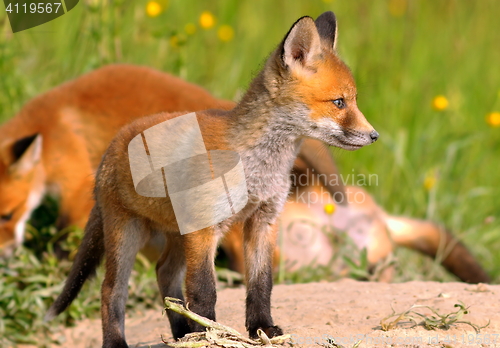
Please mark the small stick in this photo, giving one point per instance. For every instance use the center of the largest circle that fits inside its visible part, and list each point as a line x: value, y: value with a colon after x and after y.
x: 215, y: 332
x: 263, y: 337
x: 175, y: 305
x: 192, y: 344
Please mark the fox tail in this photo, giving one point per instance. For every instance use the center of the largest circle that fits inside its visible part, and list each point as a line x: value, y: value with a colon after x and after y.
x: 430, y: 239
x: 87, y: 260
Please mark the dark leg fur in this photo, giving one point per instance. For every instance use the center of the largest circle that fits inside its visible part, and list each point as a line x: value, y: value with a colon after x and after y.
x: 170, y: 271
x: 260, y: 239
x: 201, y: 294
x: 258, y: 307
x: 124, y: 238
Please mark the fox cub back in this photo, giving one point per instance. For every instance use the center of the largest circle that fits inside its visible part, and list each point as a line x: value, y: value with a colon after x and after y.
x: 55, y: 143
x: 304, y: 90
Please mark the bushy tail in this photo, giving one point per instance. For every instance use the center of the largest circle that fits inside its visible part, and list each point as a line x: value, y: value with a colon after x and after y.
x: 87, y: 260
x: 430, y: 239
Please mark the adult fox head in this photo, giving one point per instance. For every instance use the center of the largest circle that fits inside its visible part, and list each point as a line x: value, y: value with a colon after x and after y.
x: 21, y: 185
x: 306, y: 72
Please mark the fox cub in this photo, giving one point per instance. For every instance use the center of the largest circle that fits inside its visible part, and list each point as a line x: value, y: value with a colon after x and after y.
x: 304, y: 90
x: 54, y: 144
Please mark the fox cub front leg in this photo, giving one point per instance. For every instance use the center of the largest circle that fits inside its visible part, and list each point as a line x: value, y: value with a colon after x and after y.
x: 201, y: 295
x: 260, y: 232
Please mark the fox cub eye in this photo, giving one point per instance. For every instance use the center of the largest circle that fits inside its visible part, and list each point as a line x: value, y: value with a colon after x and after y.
x: 6, y: 217
x: 340, y: 103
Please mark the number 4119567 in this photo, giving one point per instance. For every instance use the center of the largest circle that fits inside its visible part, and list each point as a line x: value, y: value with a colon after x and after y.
x: 34, y: 8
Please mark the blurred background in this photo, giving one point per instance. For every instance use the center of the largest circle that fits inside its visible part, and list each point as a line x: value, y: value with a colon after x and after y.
x: 428, y: 80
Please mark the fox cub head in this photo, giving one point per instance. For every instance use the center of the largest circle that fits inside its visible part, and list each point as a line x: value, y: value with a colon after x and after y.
x: 21, y: 183
x: 306, y: 72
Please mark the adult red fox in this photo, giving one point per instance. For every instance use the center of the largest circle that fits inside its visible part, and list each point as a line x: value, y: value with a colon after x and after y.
x: 304, y: 90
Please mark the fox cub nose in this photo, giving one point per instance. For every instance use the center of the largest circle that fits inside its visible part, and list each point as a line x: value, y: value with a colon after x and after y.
x: 374, y: 135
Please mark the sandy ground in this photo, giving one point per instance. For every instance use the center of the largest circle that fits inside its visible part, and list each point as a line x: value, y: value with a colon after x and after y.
x: 347, y: 310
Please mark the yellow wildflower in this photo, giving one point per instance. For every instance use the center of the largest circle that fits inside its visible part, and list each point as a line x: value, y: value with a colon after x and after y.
x: 493, y: 119
x: 430, y: 180
x: 207, y: 20
x: 329, y: 208
x: 440, y: 103
x: 153, y: 9
x: 225, y: 33
x: 190, y: 28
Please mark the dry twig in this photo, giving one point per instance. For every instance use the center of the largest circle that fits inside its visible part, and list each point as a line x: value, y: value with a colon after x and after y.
x: 216, y: 335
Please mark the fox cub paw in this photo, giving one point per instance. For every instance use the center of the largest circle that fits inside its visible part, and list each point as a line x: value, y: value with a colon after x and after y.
x: 271, y: 331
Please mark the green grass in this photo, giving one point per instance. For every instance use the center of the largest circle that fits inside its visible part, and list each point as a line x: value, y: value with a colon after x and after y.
x: 33, y: 277
x: 401, y: 61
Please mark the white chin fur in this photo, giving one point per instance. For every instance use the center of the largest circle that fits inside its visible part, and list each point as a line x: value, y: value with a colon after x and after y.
x: 33, y: 201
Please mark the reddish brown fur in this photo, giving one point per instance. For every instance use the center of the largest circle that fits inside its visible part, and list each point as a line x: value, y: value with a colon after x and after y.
x: 77, y: 121
x: 265, y: 129
x: 254, y: 133
x: 318, y: 96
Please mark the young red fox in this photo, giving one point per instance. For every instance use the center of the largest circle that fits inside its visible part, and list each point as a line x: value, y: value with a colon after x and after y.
x: 55, y: 143
x: 304, y: 90
x: 306, y: 244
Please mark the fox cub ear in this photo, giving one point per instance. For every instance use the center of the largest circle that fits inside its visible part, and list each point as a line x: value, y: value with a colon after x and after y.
x: 25, y: 153
x: 301, y: 45
x: 327, y: 29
